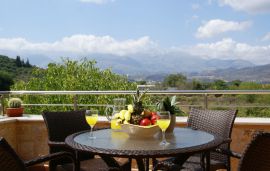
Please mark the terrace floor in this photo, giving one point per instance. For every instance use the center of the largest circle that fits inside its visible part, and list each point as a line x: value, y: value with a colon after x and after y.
x: 28, y: 134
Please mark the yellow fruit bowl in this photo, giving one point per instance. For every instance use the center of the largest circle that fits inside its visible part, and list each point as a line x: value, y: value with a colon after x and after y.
x: 140, y: 131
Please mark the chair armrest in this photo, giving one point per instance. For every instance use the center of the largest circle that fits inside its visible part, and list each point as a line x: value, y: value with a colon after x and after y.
x: 227, y: 140
x: 56, y: 143
x: 49, y: 157
x: 228, y: 152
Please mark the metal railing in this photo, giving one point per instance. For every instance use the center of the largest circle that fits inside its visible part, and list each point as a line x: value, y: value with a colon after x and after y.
x: 204, y: 93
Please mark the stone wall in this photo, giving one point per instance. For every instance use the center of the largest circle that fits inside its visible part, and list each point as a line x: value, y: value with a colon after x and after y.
x: 32, y: 139
x: 29, y: 136
x: 8, y: 131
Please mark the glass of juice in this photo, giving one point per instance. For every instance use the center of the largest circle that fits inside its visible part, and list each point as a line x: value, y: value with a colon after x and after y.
x: 91, y: 117
x: 163, y: 121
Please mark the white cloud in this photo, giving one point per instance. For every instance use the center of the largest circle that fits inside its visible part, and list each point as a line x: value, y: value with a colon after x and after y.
x: 97, y: 1
x: 80, y: 45
x: 266, y: 37
x: 217, y: 26
x: 250, y: 6
x: 86, y: 45
x: 230, y: 49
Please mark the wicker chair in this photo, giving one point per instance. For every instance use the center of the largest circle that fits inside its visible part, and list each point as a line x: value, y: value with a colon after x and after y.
x: 218, y: 122
x: 10, y: 161
x: 62, y: 124
x: 256, y: 155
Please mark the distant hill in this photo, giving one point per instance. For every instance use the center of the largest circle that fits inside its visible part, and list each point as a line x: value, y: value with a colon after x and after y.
x: 20, y: 71
x: 150, y: 67
x: 145, y: 65
x: 256, y: 73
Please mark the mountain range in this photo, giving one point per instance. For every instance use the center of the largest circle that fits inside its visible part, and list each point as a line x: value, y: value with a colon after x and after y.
x: 255, y: 73
x: 156, y: 67
x: 165, y: 64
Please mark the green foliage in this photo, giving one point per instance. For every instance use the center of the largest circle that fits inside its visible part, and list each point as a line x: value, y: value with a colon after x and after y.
x: 169, y: 104
x: 198, y: 85
x: 219, y: 85
x: 236, y: 83
x: 5, y: 81
x: 18, y: 61
x: 15, y: 103
x: 72, y: 76
x: 175, y: 80
x: 84, y: 75
x: 15, y: 68
x: 142, y: 82
x: 27, y: 64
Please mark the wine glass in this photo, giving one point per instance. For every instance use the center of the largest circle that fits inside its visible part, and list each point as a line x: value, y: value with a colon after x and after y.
x: 91, y: 117
x: 163, y: 121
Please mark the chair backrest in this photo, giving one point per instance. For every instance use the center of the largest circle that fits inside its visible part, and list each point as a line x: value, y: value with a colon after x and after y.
x: 9, y: 160
x: 59, y: 126
x: 62, y: 124
x: 257, y: 154
x: 217, y: 122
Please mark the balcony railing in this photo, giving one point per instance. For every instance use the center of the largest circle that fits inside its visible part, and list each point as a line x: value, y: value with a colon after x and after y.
x: 205, y: 95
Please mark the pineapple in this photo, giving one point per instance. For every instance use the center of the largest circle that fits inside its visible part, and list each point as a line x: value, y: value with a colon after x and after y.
x: 136, y: 119
x: 136, y: 115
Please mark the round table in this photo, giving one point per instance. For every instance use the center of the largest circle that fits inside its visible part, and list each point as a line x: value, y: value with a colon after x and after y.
x: 118, y: 144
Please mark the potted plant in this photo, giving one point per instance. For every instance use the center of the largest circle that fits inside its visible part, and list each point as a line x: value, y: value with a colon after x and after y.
x: 15, y: 108
x: 169, y: 104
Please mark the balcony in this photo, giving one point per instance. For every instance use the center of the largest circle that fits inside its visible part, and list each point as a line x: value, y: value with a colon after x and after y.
x: 28, y: 134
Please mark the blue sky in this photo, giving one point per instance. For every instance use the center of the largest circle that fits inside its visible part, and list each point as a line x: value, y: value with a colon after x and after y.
x: 224, y: 29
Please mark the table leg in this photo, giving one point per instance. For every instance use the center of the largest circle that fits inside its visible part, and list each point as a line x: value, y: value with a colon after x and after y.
x: 140, y: 164
x: 146, y: 164
x: 110, y: 161
x: 154, y: 162
x: 207, y: 157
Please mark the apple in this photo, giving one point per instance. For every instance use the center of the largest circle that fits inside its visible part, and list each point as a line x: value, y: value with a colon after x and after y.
x: 145, y: 122
x: 154, y: 119
x: 153, y: 113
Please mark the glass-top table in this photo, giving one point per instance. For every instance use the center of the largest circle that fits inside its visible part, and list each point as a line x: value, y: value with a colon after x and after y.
x: 183, y: 141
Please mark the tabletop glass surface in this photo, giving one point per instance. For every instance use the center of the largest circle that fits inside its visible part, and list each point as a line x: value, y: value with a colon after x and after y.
x: 180, y: 138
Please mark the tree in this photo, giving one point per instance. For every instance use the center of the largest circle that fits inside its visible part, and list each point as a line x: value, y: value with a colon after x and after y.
x: 197, y: 85
x: 27, y: 64
x: 220, y: 85
x: 236, y: 83
x: 175, y: 80
x: 18, y: 61
x: 73, y: 75
x: 5, y: 81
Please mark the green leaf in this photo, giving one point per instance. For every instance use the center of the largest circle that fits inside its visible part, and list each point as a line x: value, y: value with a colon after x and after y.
x: 173, y: 100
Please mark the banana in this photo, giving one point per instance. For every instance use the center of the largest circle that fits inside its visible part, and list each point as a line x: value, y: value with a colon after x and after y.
x: 130, y: 108
x: 127, y: 116
x: 122, y: 114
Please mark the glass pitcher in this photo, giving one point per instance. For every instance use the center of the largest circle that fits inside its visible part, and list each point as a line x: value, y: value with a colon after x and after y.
x: 118, y: 105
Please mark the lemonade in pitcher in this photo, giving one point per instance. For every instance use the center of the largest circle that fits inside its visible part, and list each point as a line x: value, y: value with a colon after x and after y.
x: 116, y: 109
x: 115, y: 125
